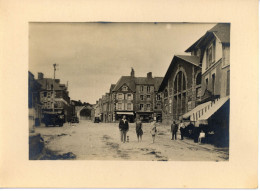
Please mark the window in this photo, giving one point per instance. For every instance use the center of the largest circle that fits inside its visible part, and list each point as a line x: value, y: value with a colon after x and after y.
x: 129, y: 96
x: 228, y: 82
x: 148, y: 106
x: 207, y: 83
x: 158, y: 106
x: 148, y: 96
x: 120, y: 96
x: 45, y: 94
x: 129, y: 106
x: 49, y: 94
x: 148, y: 89
x: 142, y: 88
x: 49, y: 105
x: 198, y: 79
x: 158, y: 97
x: 213, y: 83
x: 119, y: 106
x: 210, y: 54
x: 142, y: 97
x: 124, y: 88
x: 165, y: 93
x: 141, y: 106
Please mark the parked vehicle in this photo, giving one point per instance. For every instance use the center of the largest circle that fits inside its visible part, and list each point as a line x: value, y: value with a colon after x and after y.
x: 97, y: 120
x: 75, y: 119
x: 53, y: 118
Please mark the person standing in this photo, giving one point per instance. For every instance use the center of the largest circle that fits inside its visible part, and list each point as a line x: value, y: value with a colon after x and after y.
x: 123, y: 127
x: 139, y: 131
x: 153, y: 130
x: 174, y: 129
x: 181, y: 127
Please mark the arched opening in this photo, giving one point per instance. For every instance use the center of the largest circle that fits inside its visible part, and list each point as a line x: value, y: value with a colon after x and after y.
x: 179, y: 99
x: 198, y: 79
x: 85, y: 114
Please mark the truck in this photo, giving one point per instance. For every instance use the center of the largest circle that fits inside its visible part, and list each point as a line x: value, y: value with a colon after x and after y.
x: 53, y: 118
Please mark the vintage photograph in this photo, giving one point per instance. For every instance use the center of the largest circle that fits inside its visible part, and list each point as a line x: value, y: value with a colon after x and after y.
x: 147, y: 91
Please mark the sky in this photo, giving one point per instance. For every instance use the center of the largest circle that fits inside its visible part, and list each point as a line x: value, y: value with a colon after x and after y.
x: 92, y: 56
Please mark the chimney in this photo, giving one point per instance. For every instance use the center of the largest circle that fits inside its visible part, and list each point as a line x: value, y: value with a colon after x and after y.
x: 149, y: 75
x: 40, y: 76
x: 132, y: 73
x: 57, y: 81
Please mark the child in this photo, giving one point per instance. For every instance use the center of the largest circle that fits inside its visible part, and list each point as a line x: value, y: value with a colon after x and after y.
x: 153, y: 130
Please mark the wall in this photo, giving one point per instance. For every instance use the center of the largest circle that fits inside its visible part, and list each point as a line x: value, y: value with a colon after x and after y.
x: 218, y: 53
x: 146, y: 100
x: 220, y: 69
x: 170, y: 104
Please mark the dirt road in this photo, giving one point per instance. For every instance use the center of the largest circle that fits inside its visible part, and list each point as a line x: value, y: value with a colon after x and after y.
x: 101, y: 141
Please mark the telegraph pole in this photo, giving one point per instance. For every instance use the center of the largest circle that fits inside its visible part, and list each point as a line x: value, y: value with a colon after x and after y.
x: 53, y: 95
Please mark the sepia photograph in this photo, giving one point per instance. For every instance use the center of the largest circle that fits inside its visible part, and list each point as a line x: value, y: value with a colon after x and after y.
x: 129, y: 94
x: 130, y: 91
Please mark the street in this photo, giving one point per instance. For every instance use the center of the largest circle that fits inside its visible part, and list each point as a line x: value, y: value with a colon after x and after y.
x: 101, y: 141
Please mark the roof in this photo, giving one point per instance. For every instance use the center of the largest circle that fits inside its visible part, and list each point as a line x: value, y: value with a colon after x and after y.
x: 128, y: 80
x: 189, y: 59
x: 47, y: 82
x: 144, y: 80
x: 157, y: 82
x: 215, y: 107
x: 131, y: 82
x: 221, y: 31
x: 112, y: 87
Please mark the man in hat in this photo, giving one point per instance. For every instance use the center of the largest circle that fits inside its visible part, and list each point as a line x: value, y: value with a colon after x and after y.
x: 123, y: 127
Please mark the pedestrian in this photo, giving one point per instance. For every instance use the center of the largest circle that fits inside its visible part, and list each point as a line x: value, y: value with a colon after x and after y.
x: 181, y: 127
x: 196, y: 135
x: 139, y: 131
x: 174, y: 129
x: 123, y: 127
x: 153, y: 130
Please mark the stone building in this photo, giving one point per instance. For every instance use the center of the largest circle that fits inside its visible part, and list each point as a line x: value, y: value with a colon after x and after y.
x: 111, y: 107
x: 146, y: 106
x: 124, y: 99
x: 180, y: 87
x: 157, y: 99
x: 54, y: 96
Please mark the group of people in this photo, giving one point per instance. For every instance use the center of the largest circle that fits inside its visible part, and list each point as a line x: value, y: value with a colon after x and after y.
x: 196, y: 132
x: 175, y: 127
x: 124, y: 127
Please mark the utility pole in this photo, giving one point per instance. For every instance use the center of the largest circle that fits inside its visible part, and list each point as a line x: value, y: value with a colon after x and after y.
x: 53, y: 95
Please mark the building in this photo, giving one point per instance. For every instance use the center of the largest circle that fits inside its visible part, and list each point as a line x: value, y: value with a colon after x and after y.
x: 105, y: 107
x: 146, y: 106
x: 111, y: 107
x: 213, y: 110
x: 214, y: 47
x: 123, y: 94
x: 180, y: 87
x: 34, y: 104
x: 54, y: 96
x: 157, y: 99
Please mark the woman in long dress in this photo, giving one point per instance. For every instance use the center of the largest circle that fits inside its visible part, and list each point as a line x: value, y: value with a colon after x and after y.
x: 139, y: 131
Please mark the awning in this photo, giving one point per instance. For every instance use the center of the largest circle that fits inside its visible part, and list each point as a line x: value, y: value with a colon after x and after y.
x: 215, y: 107
x: 194, y: 111
x: 124, y: 113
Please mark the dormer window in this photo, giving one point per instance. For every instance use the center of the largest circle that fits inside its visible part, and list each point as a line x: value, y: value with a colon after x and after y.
x: 124, y: 88
x: 210, y: 54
